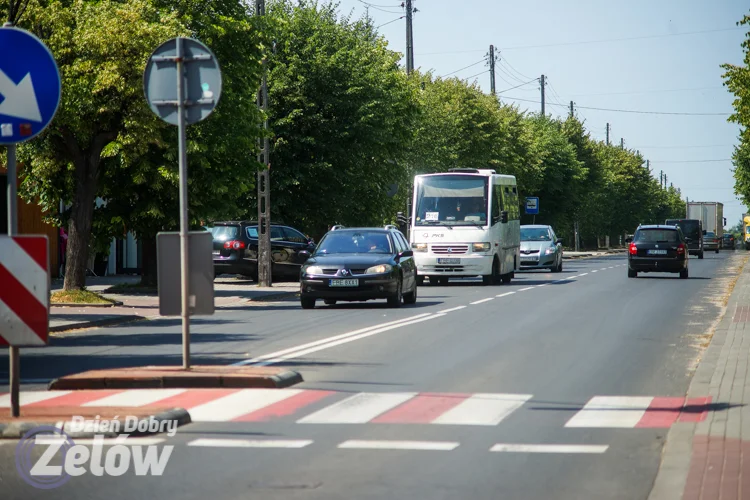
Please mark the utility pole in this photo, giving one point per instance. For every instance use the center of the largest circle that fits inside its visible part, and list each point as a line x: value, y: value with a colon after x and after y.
x: 264, y: 194
x: 648, y: 166
x: 492, y: 69
x: 572, y: 112
x: 409, y: 39
x: 607, y: 134
x: 543, y: 82
x: 622, y: 143
x: 661, y: 178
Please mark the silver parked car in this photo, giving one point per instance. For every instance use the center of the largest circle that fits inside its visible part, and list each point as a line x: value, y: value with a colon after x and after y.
x: 540, y: 248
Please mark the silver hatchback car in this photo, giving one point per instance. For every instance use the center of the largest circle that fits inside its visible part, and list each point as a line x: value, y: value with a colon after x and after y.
x: 541, y: 248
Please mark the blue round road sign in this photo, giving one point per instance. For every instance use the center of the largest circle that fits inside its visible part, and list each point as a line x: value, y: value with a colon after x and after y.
x: 29, y: 86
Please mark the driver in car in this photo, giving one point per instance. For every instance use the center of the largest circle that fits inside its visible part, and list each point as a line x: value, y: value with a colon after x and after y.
x: 475, y: 208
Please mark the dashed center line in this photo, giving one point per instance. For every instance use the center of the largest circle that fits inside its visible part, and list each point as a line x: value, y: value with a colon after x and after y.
x: 481, y: 301
x: 399, y: 445
x: 594, y: 271
x: 452, y: 309
x: 549, y: 448
x: 250, y: 443
x: 505, y: 294
x: 582, y: 274
x: 543, y: 284
x: 527, y: 288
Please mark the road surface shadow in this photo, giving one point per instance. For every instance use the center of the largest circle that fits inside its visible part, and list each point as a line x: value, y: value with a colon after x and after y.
x: 376, y: 305
x: 146, y: 339
x: 689, y: 408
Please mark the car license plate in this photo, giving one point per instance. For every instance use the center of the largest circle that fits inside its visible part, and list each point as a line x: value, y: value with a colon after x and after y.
x: 343, y: 282
x: 449, y: 261
x: 656, y: 252
x: 217, y: 252
x: 525, y: 259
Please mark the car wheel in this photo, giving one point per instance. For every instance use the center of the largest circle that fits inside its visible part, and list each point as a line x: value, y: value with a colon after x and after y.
x: 494, y: 278
x: 700, y: 255
x: 506, y: 278
x: 420, y: 280
x: 717, y: 250
x: 329, y: 302
x: 397, y: 299
x: 632, y: 274
x: 684, y: 274
x: 411, y: 298
x: 307, y: 302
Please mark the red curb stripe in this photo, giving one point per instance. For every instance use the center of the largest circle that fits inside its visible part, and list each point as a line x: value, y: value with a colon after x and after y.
x: 421, y: 409
x: 693, y: 416
x: 75, y: 398
x: 283, y: 408
x: 35, y: 247
x: 191, y: 398
x: 32, y: 312
x: 662, y: 412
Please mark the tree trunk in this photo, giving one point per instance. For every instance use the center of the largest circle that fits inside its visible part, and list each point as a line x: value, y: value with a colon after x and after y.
x: 86, y: 164
x: 149, y: 274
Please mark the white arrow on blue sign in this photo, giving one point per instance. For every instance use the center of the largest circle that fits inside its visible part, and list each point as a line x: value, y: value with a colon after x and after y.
x: 29, y: 86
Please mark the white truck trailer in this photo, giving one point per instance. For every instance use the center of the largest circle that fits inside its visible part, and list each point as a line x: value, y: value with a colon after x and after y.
x: 711, y: 213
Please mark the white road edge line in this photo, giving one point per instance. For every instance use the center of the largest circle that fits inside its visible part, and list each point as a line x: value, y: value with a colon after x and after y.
x: 446, y: 311
x: 297, y: 354
x: 399, y: 445
x: 504, y: 294
x: 325, y: 341
x: 250, y: 443
x: 594, y: 271
x: 543, y: 284
x: 481, y: 301
x: 582, y: 274
x: 527, y: 288
x: 549, y: 448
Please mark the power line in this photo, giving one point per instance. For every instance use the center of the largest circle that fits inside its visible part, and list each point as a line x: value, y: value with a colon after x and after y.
x: 377, y: 7
x: 465, y: 67
x: 514, y: 70
x: 521, y: 85
x: 473, y: 76
x: 692, y: 161
x: 653, y: 112
x: 689, y: 147
x: 508, y: 74
x: 380, y: 5
x: 648, y: 91
x: 389, y: 22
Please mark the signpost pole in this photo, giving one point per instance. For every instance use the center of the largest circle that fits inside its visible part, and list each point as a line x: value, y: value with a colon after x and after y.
x: 185, y: 288
x: 15, y: 358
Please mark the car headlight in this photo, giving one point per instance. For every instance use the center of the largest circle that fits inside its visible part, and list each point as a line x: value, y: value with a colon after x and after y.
x: 481, y: 247
x: 313, y: 270
x: 382, y: 268
x: 550, y: 250
x: 419, y: 247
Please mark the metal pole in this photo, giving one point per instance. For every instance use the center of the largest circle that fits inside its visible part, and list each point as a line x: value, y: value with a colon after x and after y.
x: 15, y: 358
x: 492, y: 69
x: 409, y: 39
x: 264, y: 184
x: 543, y: 83
x: 185, y: 288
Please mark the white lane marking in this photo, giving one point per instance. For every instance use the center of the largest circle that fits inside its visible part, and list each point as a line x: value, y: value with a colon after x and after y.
x: 239, y: 403
x: 549, y: 448
x: 481, y: 301
x: 611, y: 411
x: 527, y: 288
x: 297, y: 354
x: 582, y: 274
x: 483, y: 409
x: 594, y: 271
x: 543, y: 284
x: 603, y: 269
x: 135, y: 397
x: 504, y: 294
x: 26, y: 398
x: 358, y: 409
x: 452, y: 309
x: 399, y: 445
x: 124, y: 439
x: 250, y: 443
x: 325, y: 340
x: 611, y: 267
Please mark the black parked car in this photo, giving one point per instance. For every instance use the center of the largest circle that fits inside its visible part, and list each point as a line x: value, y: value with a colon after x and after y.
x: 236, y: 250
x: 661, y: 249
x: 358, y: 264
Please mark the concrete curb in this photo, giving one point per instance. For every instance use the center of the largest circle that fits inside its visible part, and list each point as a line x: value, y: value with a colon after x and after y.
x: 16, y: 430
x: 96, y: 323
x: 114, y: 303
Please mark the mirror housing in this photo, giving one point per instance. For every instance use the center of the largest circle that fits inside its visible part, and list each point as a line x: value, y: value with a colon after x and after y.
x: 504, y: 216
x: 304, y: 255
x: 406, y: 253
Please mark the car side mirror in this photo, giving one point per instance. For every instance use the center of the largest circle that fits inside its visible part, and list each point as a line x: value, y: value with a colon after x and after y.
x: 304, y: 255
x: 406, y: 253
x: 504, y: 216
x: 558, y: 241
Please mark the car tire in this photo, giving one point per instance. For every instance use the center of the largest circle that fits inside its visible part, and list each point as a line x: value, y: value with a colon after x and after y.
x: 717, y: 250
x: 494, y: 278
x: 329, y: 302
x: 420, y: 280
x: 506, y: 278
x: 307, y: 302
x: 700, y: 255
x: 632, y: 274
x: 411, y: 298
x: 684, y: 274
x: 397, y: 299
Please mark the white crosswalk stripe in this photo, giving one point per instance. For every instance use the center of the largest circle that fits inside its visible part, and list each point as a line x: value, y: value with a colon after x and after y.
x: 483, y: 409
x: 238, y: 404
x: 135, y: 397
x: 611, y: 411
x: 358, y: 409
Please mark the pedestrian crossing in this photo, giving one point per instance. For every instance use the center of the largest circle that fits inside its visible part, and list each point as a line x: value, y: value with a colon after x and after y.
x: 320, y: 407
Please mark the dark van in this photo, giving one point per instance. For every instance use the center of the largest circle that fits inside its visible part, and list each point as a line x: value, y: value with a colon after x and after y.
x: 692, y: 229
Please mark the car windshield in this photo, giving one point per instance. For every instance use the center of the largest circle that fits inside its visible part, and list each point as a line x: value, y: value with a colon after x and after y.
x: 338, y: 242
x: 657, y: 236
x: 224, y: 233
x: 535, y: 234
x: 451, y: 200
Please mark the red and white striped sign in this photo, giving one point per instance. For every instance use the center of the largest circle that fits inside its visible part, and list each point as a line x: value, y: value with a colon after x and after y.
x: 24, y: 290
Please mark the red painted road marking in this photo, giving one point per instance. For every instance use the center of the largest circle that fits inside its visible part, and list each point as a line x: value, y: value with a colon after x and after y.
x: 75, y: 398
x: 286, y: 407
x: 421, y: 409
x: 191, y: 398
x: 694, y: 404
x: 32, y: 312
x: 662, y: 412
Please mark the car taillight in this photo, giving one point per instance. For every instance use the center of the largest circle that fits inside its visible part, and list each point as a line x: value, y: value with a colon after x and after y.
x: 633, y: 249
x: 681, y: 248
x: 234, y: 245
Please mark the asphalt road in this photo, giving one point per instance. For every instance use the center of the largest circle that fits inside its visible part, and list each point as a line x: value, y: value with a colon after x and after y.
x: 506, y: 365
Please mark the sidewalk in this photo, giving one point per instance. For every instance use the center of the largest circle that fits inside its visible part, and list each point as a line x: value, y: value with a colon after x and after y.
x: 228, y: 292
x: 711, y: 459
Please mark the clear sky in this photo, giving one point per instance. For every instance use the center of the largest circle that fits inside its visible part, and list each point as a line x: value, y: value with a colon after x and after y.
x: 663, y: 65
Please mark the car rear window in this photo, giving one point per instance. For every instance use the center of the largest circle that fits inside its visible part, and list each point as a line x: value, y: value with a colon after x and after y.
x: 710, y: 234
x: 224, y: 233
x: 657, y: 236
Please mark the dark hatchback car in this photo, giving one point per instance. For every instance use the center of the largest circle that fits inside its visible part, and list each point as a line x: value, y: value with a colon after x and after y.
x: 660, y: 249
x: 236, y: 250
x: 692, y: 229
x: 358, y: 264
x: 728, y: 241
